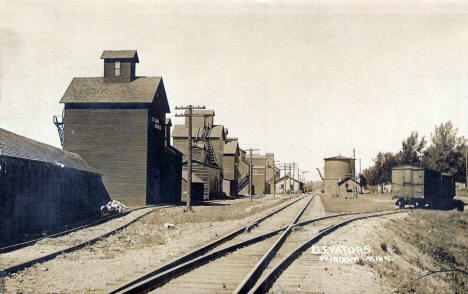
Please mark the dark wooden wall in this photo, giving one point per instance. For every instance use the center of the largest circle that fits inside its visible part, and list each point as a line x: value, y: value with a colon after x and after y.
x: 197, y: 191
x: 211, y: 177
x: 115, y: 142
x: 38, y: 197
x: 127, y: 71
x: 171, y: 179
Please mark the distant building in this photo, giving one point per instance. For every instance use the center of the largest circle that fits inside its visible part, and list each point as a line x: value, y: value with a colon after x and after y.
x: 118, y: 124
x: 231, y: 171
x: 288, y: 185
x: 207, y: 150
x: 43, y: 188
x: 337, y: 168
x: 263, y: 173
x: 243, y: 182
x: 348, y: 186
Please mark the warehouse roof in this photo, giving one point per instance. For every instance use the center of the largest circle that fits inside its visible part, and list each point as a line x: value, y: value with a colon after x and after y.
x: 231, y: 147
x: 339, y: 157
x: 120, y: 54
x: 287, y: 177
x: 203, y: 111
x: 217, y: 132
x: 14, y: 145
x: 88, y: 90
x: 181, y: 131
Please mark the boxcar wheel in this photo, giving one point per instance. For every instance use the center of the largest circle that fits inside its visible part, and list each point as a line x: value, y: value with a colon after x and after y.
x: 401, y: 203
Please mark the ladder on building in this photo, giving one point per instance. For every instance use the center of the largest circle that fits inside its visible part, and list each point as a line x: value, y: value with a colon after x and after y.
x: 211, y: 154
x: 60, y: 128
x: 242, y: 183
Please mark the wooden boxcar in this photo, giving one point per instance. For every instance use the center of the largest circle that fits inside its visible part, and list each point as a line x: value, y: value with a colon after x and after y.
x: 422, y: 187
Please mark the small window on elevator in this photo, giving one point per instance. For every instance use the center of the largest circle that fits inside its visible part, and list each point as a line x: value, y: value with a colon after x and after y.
x: 117, y: 68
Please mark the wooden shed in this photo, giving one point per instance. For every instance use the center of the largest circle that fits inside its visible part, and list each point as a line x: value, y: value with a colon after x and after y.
x: 197, y: 187
x: 348, y: 186
x: 118, y: 124
x: 43, y: 188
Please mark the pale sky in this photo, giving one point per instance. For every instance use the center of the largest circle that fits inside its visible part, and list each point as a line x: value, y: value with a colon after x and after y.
x: 304, y: 80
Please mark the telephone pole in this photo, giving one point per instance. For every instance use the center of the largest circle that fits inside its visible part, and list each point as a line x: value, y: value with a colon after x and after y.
x: 189, y: 114
x: 250, y: 171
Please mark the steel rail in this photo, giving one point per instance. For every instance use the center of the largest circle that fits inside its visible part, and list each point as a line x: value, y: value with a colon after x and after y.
x: 193, y: 255
x: 26, y: 264
x: 268, y: 281
x: 17, y: 246
x: 178, y: 267
x: 255, y: 273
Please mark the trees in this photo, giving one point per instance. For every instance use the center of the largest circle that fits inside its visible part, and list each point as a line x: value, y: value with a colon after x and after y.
x: 446, y: 153
x: 411, y: 150
x: 381, y: 171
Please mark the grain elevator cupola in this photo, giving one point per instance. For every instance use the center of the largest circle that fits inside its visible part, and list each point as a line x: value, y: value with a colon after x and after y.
x: 119, y: 65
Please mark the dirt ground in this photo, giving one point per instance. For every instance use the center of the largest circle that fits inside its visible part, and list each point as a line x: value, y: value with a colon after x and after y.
x: 340, y: 274
x: 403, y: 247
x: 138, y: 248
x: 364, y: 202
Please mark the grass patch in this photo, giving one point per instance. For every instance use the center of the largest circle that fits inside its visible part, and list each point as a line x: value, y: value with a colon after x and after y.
x: 426, y: 241
x: 360, y: 204
x: 237, y: 210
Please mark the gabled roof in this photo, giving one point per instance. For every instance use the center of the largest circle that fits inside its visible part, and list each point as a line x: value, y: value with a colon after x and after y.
x: 181, y: 131
x: 89, y: 90
x: 346, y: 179
x: 339, y: 157
x: 172, y: 149
x: 120, y: 54
x: 287, y: 177
x: 217, y: 132
x: 14, y: 145
x: 231, y: 147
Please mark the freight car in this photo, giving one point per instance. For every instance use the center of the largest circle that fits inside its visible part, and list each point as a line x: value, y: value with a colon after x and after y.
x: 423, y: 187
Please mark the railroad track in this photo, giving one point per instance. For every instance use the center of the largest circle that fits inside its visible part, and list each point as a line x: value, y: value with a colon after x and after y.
x: 17, y: 246
x: 21, y: 256
x: 248, y: 263
x: 26, y: 257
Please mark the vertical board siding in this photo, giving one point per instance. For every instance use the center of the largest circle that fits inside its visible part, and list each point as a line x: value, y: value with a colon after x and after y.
x: 40, y: 197
x: 115, y: 142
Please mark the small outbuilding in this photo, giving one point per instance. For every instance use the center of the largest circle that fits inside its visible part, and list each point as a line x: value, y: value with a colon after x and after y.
x: 43, y: 188
x: 348, y: 186
x: 288, y: 185
x: 197, y: 187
